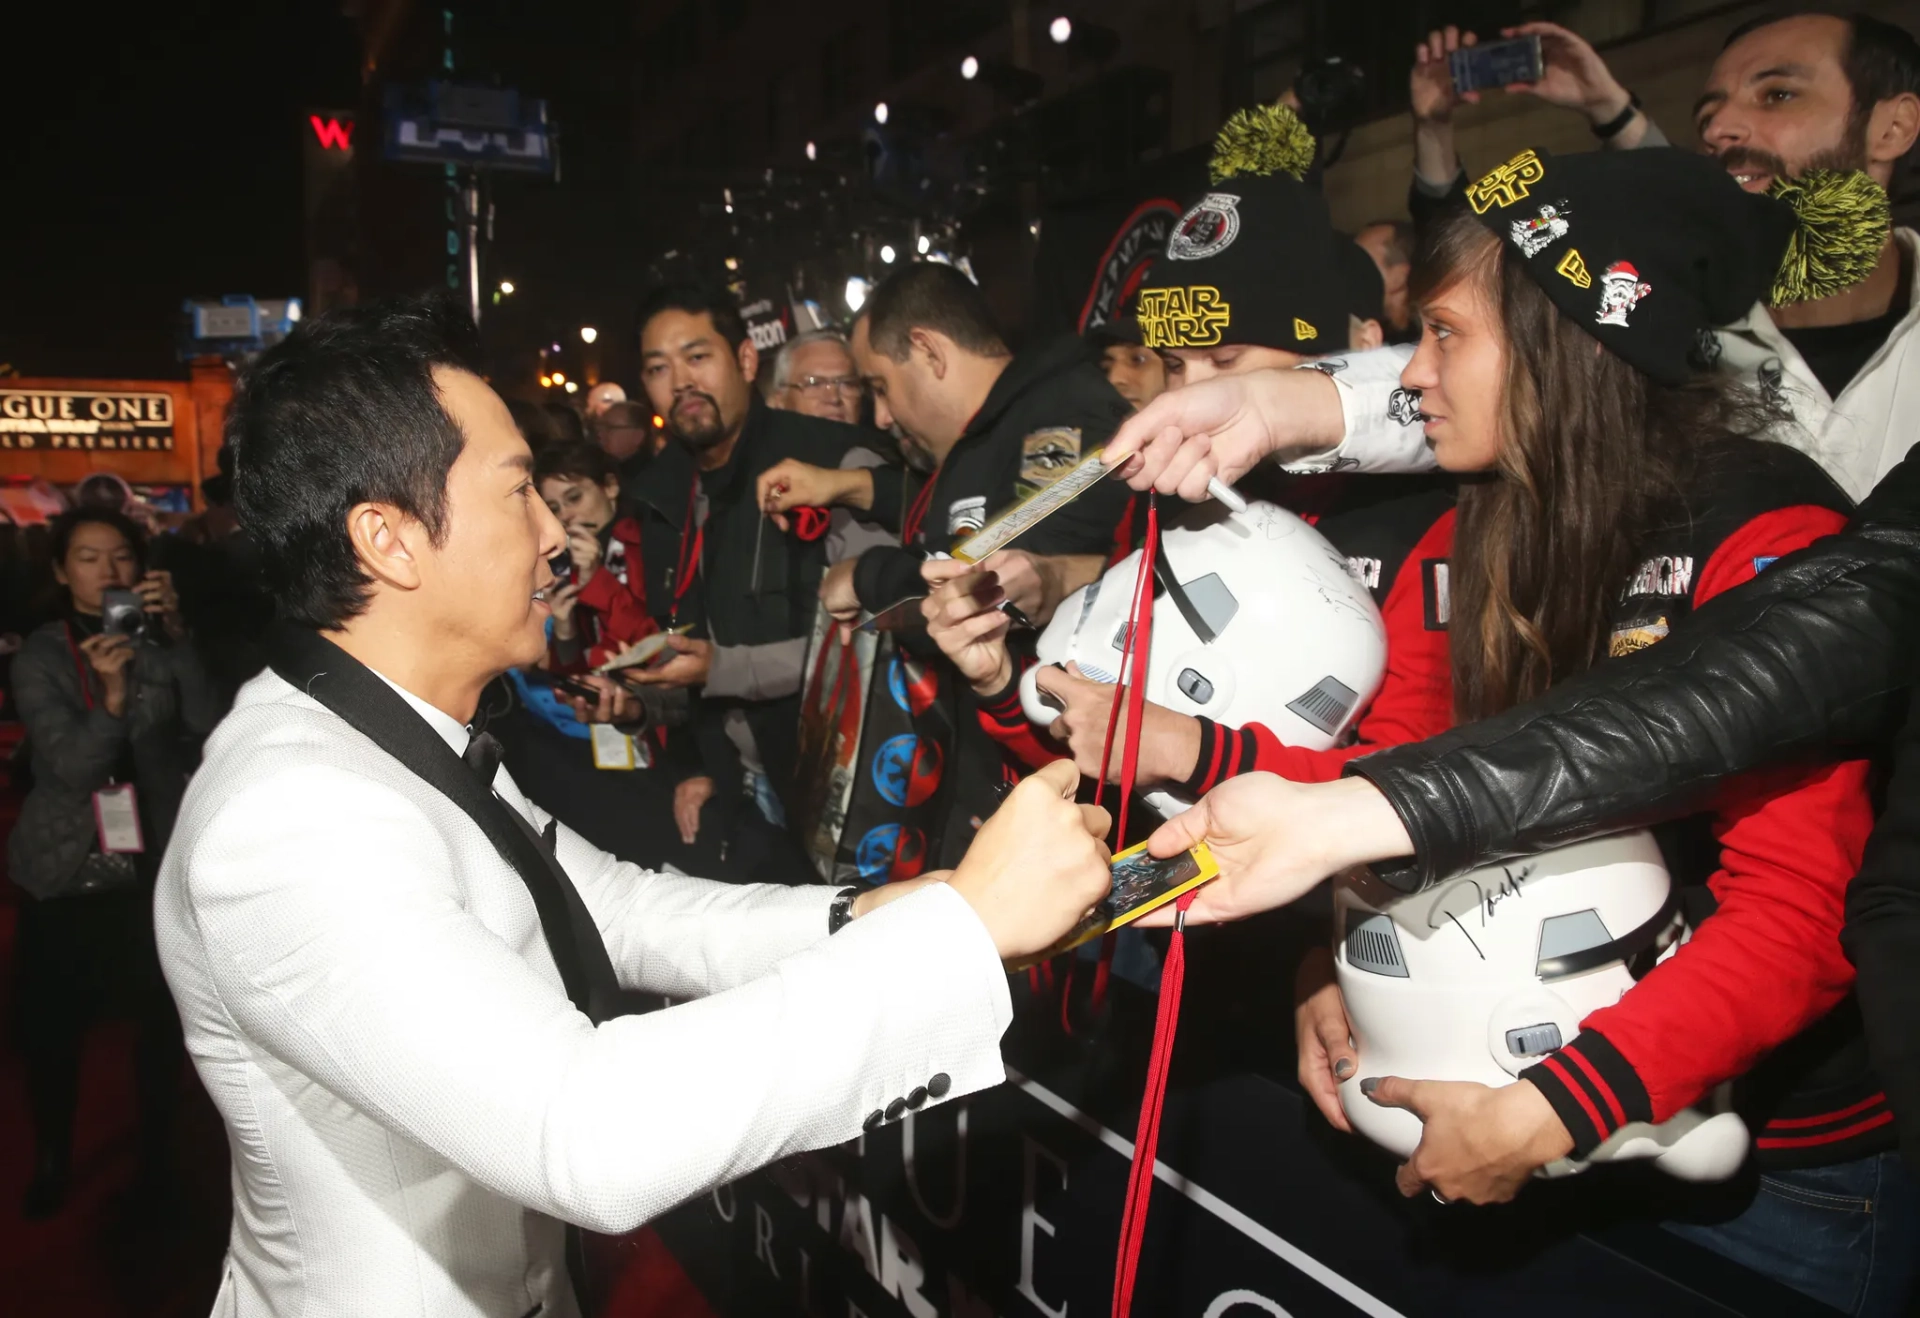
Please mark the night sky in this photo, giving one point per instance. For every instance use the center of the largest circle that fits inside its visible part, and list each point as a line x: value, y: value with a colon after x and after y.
x: 155, y: 156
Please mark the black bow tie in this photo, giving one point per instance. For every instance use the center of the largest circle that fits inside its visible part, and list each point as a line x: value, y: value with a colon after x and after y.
x: 483, y: 756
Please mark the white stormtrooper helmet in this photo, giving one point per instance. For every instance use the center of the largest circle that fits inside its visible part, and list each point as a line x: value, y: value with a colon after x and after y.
x: 1478, y: 978
x: 1266, y: 626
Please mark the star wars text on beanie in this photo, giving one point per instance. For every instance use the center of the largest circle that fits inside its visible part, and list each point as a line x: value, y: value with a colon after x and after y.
x: 1646, y: 250
x: 1252, y: 260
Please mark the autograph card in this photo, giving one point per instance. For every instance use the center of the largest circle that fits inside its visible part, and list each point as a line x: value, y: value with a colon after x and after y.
x: 647, y: 652
x: 1141, y: 883
x: 1032, y: 510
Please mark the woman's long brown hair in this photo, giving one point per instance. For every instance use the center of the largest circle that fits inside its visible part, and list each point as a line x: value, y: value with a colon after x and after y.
x: 1595, y: 456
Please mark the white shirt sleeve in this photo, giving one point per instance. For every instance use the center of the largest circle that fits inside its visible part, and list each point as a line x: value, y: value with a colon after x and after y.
x: 1384, y: 434
x: 353, y: 957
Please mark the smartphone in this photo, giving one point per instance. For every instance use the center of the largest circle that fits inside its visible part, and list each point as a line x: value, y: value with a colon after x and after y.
x: 562, y: 683
x: 123, y: 613
x: 1496, y: 63
x: 561, y: 565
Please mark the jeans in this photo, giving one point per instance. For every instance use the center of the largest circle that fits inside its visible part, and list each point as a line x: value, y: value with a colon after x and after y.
x: 1847, y: 1235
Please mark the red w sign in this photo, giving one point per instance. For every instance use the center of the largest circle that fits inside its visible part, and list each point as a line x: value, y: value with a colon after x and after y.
x: 333, y: 135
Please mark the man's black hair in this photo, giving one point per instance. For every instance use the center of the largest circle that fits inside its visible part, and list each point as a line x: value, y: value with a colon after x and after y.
x: 579, y: 460
x: 696, y: 300
x: 345, y: 411
x: 931, y: 295
x: 1882, y: 60
x: 60, y: 530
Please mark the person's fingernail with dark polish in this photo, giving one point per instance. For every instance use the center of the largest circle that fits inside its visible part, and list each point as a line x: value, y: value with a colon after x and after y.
x: 1343, y: 1068
x: 1370, y: 1084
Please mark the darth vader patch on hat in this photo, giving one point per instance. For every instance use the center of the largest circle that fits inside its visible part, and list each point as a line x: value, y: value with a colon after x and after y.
x: 1207, y: 229
x: 1047, y: 455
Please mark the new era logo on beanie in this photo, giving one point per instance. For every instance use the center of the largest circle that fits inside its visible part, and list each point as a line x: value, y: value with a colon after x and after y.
x: 1253, y: 261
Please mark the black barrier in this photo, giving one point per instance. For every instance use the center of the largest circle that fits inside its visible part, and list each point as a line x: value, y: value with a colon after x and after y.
x: 1008, y: 1203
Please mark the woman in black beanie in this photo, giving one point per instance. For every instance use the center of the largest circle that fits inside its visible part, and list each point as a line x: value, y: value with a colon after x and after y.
x: 1610, y: 489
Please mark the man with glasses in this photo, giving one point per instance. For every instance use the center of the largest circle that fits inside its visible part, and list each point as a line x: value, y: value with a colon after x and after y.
x: 815, y: 375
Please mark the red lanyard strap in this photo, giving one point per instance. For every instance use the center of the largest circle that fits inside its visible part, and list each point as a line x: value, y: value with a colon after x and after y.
x: 86, y: 687
x: 690, y: 550
x: 1132, y: 688
x: 917, y: 511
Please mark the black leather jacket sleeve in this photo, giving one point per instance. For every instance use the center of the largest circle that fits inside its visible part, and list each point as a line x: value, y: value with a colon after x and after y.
x: 1819, y: 649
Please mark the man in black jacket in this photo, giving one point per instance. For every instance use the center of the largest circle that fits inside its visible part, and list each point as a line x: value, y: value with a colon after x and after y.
x: 992, y: 427
x: 713, y: 563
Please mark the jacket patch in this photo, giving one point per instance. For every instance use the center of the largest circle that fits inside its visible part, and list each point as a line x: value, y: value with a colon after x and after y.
x: 1434, y: 591
x: 1364, y: 570
x: 1626, y: 640
x: 965, y: 516
x: 1047, y: 455
x: 1665, y: 574
x: 1762, y: 564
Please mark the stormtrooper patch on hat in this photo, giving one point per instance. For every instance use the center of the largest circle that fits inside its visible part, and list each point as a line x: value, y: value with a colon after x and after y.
x: 1191, y: 317
x: 1047, y: 455
x: 1207, y: 229
x: 1539, y: 233
x: 1621, y: 289
x: 965, y: 516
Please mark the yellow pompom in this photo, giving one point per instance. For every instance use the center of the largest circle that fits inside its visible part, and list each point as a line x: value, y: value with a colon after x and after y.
x: 1268, y: 139
x: 1844, y: 222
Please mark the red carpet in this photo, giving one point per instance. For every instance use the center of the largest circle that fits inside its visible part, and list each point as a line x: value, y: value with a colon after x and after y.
x: 105, y: 1256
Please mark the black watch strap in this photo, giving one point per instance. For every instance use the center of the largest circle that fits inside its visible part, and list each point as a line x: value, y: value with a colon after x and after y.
x: 840, y: 914
x: 1612, y: 128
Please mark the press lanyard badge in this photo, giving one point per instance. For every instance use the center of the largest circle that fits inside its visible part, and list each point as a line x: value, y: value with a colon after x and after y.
x: 612, y: 748
x: 117, y: 812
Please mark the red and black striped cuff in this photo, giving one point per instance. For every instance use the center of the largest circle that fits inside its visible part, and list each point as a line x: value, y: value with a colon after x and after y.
x: 1593, y: 1089
x: 1003, y: 708
x: 1224, y: 753
x: 1816, y: 1130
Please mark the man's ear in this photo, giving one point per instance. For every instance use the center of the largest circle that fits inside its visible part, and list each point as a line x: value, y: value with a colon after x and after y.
x: 1364, y: 335
x: 931, y: 346
x: 749, y: 359
x: 1893, y: 128
x: 385, y: 541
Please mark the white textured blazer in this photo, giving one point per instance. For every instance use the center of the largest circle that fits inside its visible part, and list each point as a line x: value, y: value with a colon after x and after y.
x: 412, y: 1103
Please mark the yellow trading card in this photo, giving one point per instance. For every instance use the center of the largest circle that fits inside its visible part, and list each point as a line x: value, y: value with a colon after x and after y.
x: 1141, y: 883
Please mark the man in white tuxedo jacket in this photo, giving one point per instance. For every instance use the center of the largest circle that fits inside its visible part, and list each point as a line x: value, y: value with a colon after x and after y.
x: 381, y: 994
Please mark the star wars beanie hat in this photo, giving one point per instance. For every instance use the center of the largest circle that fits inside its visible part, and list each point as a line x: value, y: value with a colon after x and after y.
x: 1649, y: 249
x: 1253, y: 260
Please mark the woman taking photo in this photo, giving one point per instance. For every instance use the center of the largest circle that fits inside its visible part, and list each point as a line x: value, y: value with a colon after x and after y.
x: 1612, y: 490
x: 115, y: 713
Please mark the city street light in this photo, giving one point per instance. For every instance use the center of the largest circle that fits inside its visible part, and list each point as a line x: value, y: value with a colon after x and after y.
x: 572, y: 388
x: 880, y: 113
x: 813, y: 152
x: 887, y: 253
x: 1061, y: 30
x: 856, y: 293
x: 558, y: 378
x: 546, y: 382
x: 588, y: 334
x: 970, y: 68
x: 506, y: 286
x: 925, y: 244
